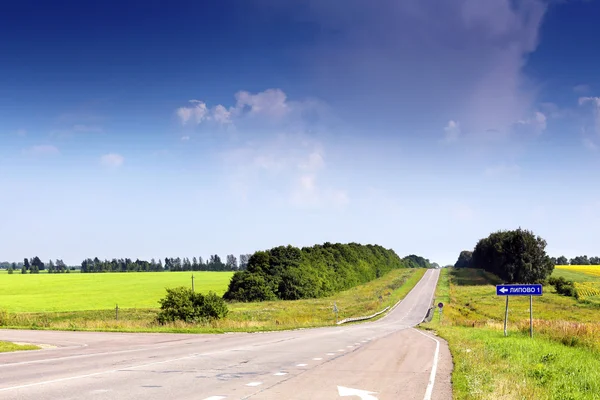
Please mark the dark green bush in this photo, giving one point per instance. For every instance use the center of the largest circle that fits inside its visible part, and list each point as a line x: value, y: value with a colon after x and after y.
x: 563, y: 286
x: 182, y: 304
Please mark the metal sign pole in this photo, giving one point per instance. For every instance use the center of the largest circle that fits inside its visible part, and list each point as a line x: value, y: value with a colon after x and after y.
x: 506, y: 317
x: 531, y: 316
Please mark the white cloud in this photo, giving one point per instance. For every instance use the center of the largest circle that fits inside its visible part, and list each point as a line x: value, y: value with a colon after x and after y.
x: 112, y: 160
x: 221, y: 114
x: 270, y: 106
x: 196, y: 111
x: 270, y: 103
x: 581, y: 89
x: 451, y: 132
x: 42, y: 150
x: 537, y: 123
x: 290, y: 165
x: 185, y: 138
x: 383, y: 62
x: 595, y: 103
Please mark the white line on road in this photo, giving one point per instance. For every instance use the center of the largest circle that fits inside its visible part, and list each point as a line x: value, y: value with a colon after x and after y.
x: 429, y: 389
x: 95, y: 374
x: 317, y: 359
x: 252, y: 384
x: 301, y: 365
x: 215, y: 398
x: 331, y: 354
x: 280, y: 373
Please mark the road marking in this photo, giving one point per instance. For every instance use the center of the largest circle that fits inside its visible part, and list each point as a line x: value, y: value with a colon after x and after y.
x: 357, y: 344
x: 342, y: 350
x: 215, y: 398
x: 429, y: 389
x: 96, y: 373
x: 350, y: 346
x: 363, y: 394
x: 301, y: 365
x: 317, y: 358
x: 45, y: 360
x: 280, y: 373
x: 331, y: 354
x: 253, y: 384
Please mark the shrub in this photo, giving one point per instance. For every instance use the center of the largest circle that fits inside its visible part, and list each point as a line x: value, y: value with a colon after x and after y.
x: 185, y: 305
x: 564, y: 287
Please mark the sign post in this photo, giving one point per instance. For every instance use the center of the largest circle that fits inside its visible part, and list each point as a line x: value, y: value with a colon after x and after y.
x: 335, y: 310
x: 519, y: 290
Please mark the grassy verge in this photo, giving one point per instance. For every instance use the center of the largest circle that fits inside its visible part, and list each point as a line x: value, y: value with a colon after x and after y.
x: 559, y: 363
x: 249, y: 317
x: 8, y: 346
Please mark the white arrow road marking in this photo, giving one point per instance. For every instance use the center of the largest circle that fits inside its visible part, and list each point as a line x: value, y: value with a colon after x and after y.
x: 363, y: 394
x: 254, y: 384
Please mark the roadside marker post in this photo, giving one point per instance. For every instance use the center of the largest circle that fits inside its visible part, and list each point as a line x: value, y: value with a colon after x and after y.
x: 335, y: 310
x: 519, y: 290
x: 440, y: 307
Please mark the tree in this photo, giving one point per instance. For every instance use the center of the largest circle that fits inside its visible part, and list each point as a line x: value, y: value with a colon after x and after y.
x: 195, y: 266
x: 464, y: 259
x: 50, y: 266
x: 231, y: 263
x: 26, y: 264
x: 562, y: 260
x: 186, y: 265
x: 516, y: 256
x: 244, y: 261
x: 37, y: 264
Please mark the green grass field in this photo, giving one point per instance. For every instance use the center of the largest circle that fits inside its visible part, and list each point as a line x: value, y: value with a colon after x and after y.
x: 559, y: 363
x: 78, y: 292
x: 8, y: 346
x: 139, y: 304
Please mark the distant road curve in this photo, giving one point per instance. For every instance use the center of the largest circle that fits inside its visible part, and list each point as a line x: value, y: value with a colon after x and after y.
x: 384, y: 359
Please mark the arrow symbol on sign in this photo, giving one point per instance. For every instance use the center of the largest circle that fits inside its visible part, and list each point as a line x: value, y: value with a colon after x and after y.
x: 363, y: 394
x: 503, y: 290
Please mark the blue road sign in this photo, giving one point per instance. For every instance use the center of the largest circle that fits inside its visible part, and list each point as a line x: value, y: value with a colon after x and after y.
x: 519, y: 290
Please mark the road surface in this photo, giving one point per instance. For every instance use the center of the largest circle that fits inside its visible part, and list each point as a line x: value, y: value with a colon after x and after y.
x: 384, y: 359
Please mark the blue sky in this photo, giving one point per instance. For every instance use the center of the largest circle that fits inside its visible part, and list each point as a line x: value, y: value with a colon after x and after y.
x: 154, y: 129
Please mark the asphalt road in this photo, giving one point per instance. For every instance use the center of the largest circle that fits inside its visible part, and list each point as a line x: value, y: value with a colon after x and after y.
x: 384, y: 359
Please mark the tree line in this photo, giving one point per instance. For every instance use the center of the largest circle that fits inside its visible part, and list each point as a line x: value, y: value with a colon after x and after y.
x: 35, y: 265
x: 291, y: 273
x: 516, y: 256
x: 579, y: 260
x: 213, y: 263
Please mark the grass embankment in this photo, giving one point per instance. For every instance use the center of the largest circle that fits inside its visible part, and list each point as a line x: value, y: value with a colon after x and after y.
x: 8, y: 346
x: 79, y: 292
x: 559, y: 363
x: 260, y: 316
